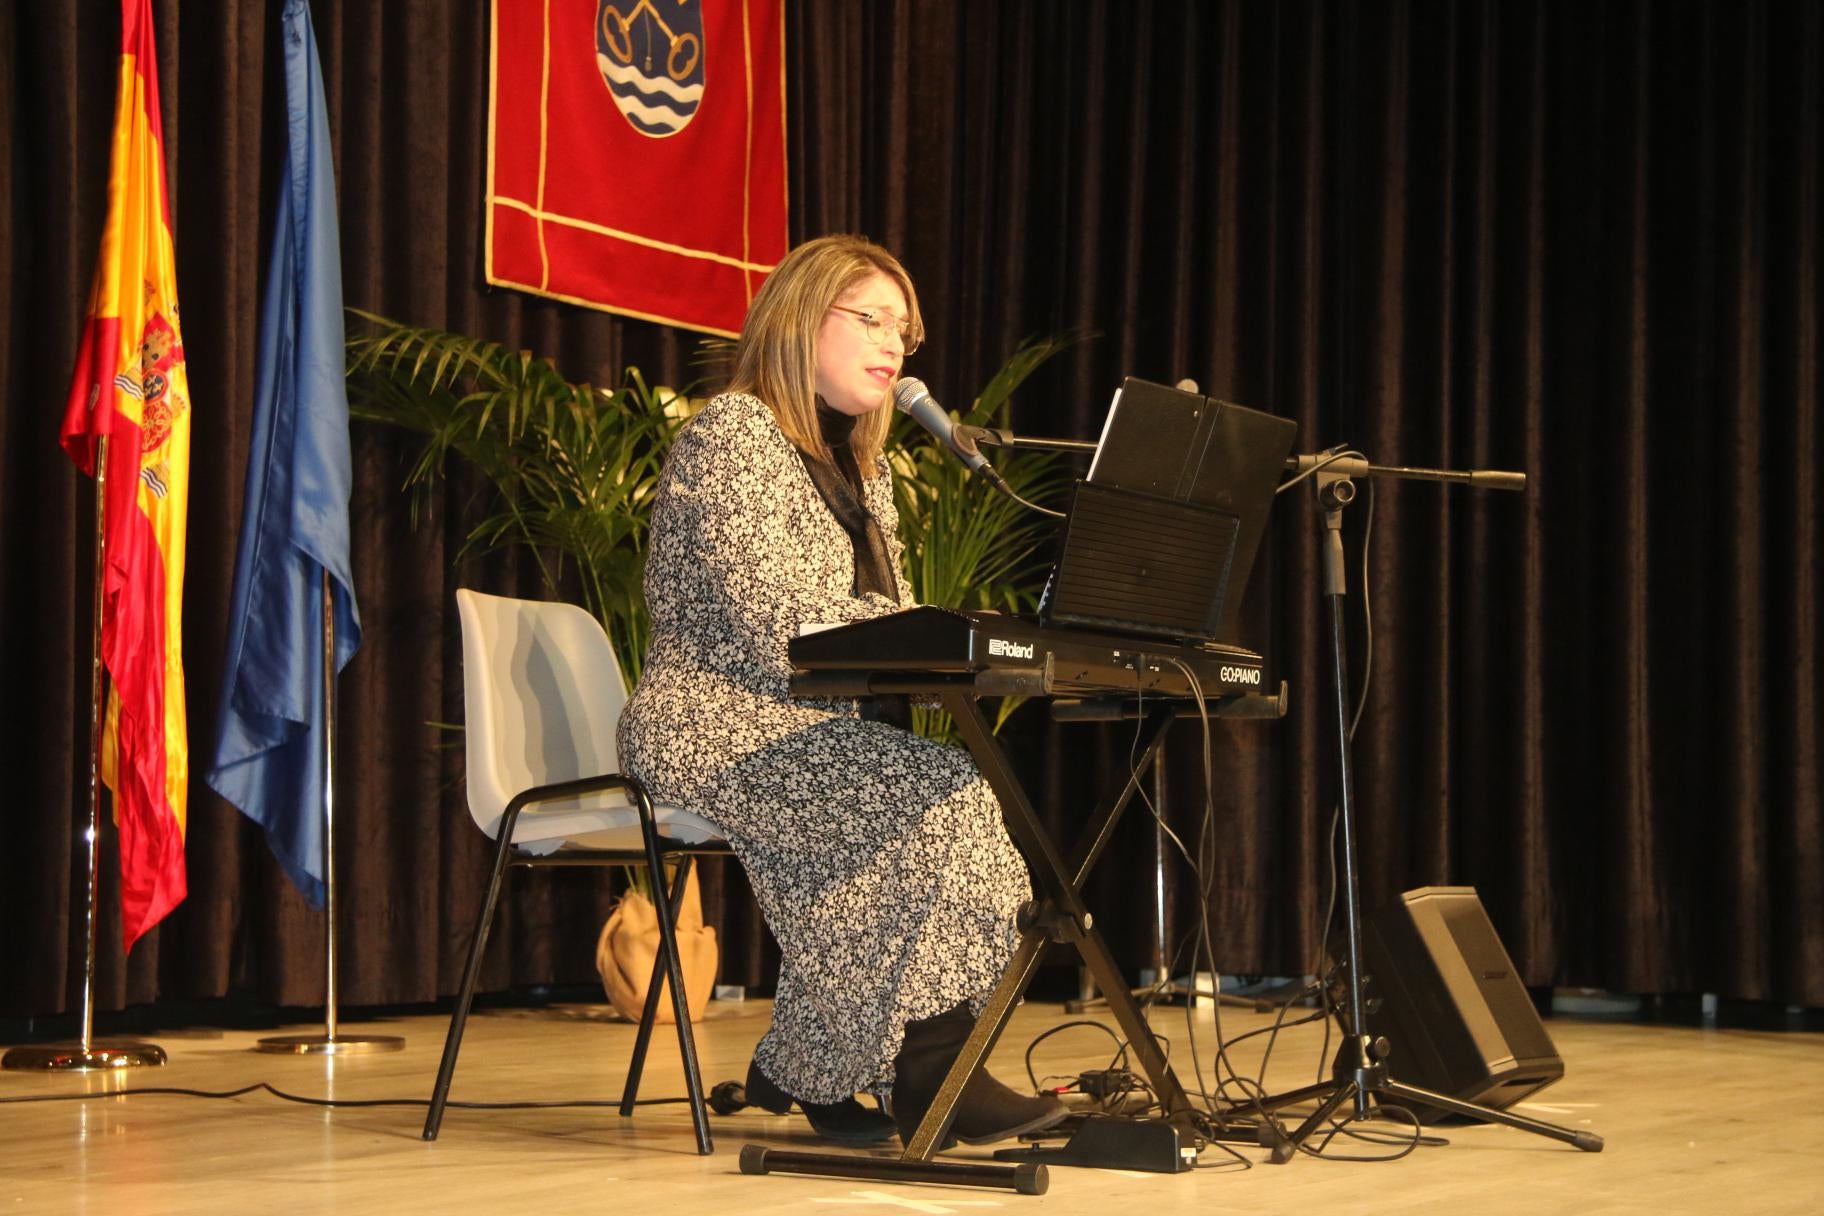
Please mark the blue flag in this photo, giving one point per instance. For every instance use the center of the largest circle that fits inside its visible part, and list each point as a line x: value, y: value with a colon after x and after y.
x: 268, y: 757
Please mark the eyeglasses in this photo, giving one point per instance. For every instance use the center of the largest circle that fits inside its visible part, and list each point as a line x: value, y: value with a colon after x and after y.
x: 876, y: 326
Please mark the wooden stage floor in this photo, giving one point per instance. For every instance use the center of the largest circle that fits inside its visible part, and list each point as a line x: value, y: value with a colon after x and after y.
x: 1696, y: 1120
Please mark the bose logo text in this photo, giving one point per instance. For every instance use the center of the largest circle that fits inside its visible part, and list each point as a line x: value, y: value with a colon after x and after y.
x: 1009, y: 650
x: 1240, y: 675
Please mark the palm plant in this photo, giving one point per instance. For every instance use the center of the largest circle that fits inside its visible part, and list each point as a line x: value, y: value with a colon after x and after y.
x: 967, y: 545
x: 575, y: 469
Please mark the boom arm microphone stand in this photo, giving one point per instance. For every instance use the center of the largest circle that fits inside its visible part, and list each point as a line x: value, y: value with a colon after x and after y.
x: 1360, y: 1075
x: 1001, y: 437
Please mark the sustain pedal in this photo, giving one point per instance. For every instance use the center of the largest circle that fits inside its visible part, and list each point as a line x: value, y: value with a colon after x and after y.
x: 1104, y: 1142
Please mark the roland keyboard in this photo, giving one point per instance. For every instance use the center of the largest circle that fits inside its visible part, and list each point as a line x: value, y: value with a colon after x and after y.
x: 932, y: 650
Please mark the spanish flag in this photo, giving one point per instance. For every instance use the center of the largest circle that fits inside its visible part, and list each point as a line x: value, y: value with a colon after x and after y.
x: 130, y: 388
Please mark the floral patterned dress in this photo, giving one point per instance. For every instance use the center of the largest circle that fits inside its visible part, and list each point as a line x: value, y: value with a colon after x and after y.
x: 879, y: 858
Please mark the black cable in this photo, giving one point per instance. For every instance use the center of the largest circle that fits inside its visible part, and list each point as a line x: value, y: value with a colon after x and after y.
x: 1209, y: 1118
x: 1202, y: 947
x: 1256, y: 1088
x: 1253, y: 1091
x: 1343, y: 1127
x: 1030, y: 506
x: 1197, y: 869
x: 1339, y: 452
x: 1279, y: 1023
x: 1355, y: 1130
x: 259, y: 1086
x: 1327, y: 975
x: 1361, y: 698
x: 1118, y: 1060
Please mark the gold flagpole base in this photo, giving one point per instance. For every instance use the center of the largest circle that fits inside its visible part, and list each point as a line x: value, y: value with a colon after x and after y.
x: 330, y: 1045
x: 73, y: 1057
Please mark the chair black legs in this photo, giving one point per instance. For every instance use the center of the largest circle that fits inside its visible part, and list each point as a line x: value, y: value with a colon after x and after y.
x: 666, y: 969
x: 471, y: 973
x: 668, y: 966
x: 649, y: 1014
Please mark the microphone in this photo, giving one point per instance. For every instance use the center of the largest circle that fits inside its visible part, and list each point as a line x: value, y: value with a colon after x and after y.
x: 913, y: 399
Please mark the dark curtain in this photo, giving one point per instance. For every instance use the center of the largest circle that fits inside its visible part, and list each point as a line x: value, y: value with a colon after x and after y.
x: 1580, y: 240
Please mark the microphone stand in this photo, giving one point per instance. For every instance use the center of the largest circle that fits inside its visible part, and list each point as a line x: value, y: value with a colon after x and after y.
x: 1339, y: 463
x: 1359, y: 1074
x: 1001, y: 437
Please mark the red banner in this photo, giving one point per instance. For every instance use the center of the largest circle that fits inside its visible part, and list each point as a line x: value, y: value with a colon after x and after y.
x: 636, y: 154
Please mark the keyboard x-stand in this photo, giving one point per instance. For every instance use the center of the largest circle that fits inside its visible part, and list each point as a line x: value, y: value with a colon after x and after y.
x: 960, y: 658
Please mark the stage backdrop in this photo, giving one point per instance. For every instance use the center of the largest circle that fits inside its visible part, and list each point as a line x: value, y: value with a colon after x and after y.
x: 1576, y: 239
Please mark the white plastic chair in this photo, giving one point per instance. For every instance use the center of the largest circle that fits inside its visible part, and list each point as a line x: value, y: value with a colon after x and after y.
x: 542, y: 694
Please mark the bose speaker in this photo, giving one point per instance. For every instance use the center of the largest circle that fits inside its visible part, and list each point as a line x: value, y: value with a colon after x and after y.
x: 1459, y: 1019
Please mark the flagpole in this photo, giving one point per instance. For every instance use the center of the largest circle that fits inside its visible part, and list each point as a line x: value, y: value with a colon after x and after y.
x: 86, y: 1055
x: 329, y: 1042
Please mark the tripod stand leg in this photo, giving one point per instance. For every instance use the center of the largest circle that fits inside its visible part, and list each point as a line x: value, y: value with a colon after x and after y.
x: 1283, y: 1149
x: 1272, y: 1102
x: 1589, y: 1142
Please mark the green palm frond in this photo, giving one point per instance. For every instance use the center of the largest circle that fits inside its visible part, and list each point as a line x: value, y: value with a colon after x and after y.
x: 966, y: 544
x: 990, y: 404
x: 574, y: 470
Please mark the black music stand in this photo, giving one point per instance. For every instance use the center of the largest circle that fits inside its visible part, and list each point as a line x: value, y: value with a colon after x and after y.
x: 1203, y: 471
x: 1359, y: 1073
x: 1196, y: 449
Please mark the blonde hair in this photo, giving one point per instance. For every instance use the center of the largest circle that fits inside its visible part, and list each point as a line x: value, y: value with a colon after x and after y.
x: 776, y: 358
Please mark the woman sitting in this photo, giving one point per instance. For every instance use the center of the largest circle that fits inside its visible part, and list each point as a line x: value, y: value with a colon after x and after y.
x: 879, y: 858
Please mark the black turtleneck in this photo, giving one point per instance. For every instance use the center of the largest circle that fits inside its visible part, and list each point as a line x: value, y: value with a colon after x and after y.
x: 839, y: 485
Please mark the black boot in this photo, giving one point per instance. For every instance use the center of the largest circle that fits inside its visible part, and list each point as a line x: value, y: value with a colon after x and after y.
x: 844, y: 1122
x: 986, y: 1111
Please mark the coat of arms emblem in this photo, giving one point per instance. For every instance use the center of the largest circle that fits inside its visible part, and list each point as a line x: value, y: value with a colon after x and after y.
x: 650, y: 53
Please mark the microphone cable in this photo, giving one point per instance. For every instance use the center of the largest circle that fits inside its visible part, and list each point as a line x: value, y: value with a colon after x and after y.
x: 988, y: 474
x: 303, y: 1099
